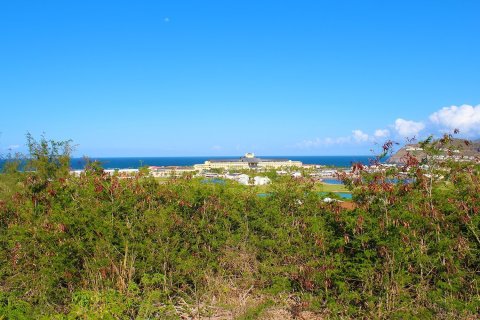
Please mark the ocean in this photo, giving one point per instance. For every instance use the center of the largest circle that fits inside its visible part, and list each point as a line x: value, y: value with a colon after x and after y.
x: 136, y: 162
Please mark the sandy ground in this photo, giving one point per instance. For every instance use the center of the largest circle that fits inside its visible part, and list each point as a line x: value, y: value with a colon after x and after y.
x: 349, y: 205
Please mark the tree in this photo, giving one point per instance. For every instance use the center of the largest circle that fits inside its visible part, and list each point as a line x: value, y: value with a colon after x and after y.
x: 48, y: 158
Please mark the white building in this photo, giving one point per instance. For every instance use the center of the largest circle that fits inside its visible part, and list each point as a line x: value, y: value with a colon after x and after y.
x: 249, y: 161
x: 243, y: 179
x: 296, y: 174
x: 261, y: 181
x: 170, y: 171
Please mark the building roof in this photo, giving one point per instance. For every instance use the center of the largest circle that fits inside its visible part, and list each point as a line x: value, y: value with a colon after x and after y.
x: 248, y: 160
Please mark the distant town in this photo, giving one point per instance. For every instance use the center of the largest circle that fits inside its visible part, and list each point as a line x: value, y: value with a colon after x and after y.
x: 236, y: 169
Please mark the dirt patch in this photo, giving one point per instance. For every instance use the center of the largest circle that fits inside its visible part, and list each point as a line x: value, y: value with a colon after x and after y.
x: 348, y: 205
x: 282, y: 313
x: 256, y: 307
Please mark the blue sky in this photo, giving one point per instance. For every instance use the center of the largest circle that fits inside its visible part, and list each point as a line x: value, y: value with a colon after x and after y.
x: 172, y: 78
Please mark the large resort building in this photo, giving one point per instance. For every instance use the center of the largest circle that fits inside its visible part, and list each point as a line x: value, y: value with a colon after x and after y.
x: 249, y: 161
x: 170, y: 171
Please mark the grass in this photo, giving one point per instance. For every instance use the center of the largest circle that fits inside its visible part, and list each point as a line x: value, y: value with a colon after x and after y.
x: 255, y: 312
x: 325, y: 187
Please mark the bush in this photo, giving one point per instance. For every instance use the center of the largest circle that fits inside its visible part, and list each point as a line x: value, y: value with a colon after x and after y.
x: 101, y: 246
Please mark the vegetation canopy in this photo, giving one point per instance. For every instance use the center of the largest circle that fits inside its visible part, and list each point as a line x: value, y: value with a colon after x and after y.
x: 102, y: 246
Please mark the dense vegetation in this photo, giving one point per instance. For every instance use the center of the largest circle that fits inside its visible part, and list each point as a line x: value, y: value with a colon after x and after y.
x: 100, y: 246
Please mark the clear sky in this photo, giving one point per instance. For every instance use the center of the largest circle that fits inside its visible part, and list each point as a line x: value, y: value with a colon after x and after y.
x: 173, y: 78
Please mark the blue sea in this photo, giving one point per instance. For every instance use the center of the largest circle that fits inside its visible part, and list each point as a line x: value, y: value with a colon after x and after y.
x: 136, y: 162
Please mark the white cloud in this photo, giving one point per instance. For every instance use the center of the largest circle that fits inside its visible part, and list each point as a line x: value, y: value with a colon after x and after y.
x: 13, y: 147
x: 381, y: 133
x: 408, y: 128
x: 360, y: 136
x: 466, y: 118
x: 311, y: 143
x: 322, y: 142
x: 216, y: 148
x: 357, y: 137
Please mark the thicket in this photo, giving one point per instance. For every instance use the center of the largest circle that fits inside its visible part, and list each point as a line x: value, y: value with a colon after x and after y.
x: 101, y: 246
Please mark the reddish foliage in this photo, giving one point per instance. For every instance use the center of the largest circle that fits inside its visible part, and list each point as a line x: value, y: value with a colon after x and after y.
x: 357, y: 167
x: 62, y: 228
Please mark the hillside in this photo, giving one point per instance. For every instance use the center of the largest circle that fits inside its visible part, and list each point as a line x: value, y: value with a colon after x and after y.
x: 458, y: 149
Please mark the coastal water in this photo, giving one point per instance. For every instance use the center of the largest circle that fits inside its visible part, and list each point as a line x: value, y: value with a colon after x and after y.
x: 136, y: 162
x: 332, y: 181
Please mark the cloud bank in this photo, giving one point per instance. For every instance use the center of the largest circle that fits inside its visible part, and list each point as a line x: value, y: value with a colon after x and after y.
x: 381, y: 133
x: 360, y: 136
x: 357, y: 137
x: 466, y: 118
x: 408, y: 128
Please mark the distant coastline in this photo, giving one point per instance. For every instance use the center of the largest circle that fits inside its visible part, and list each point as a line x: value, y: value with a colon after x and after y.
x: 137, y: 162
